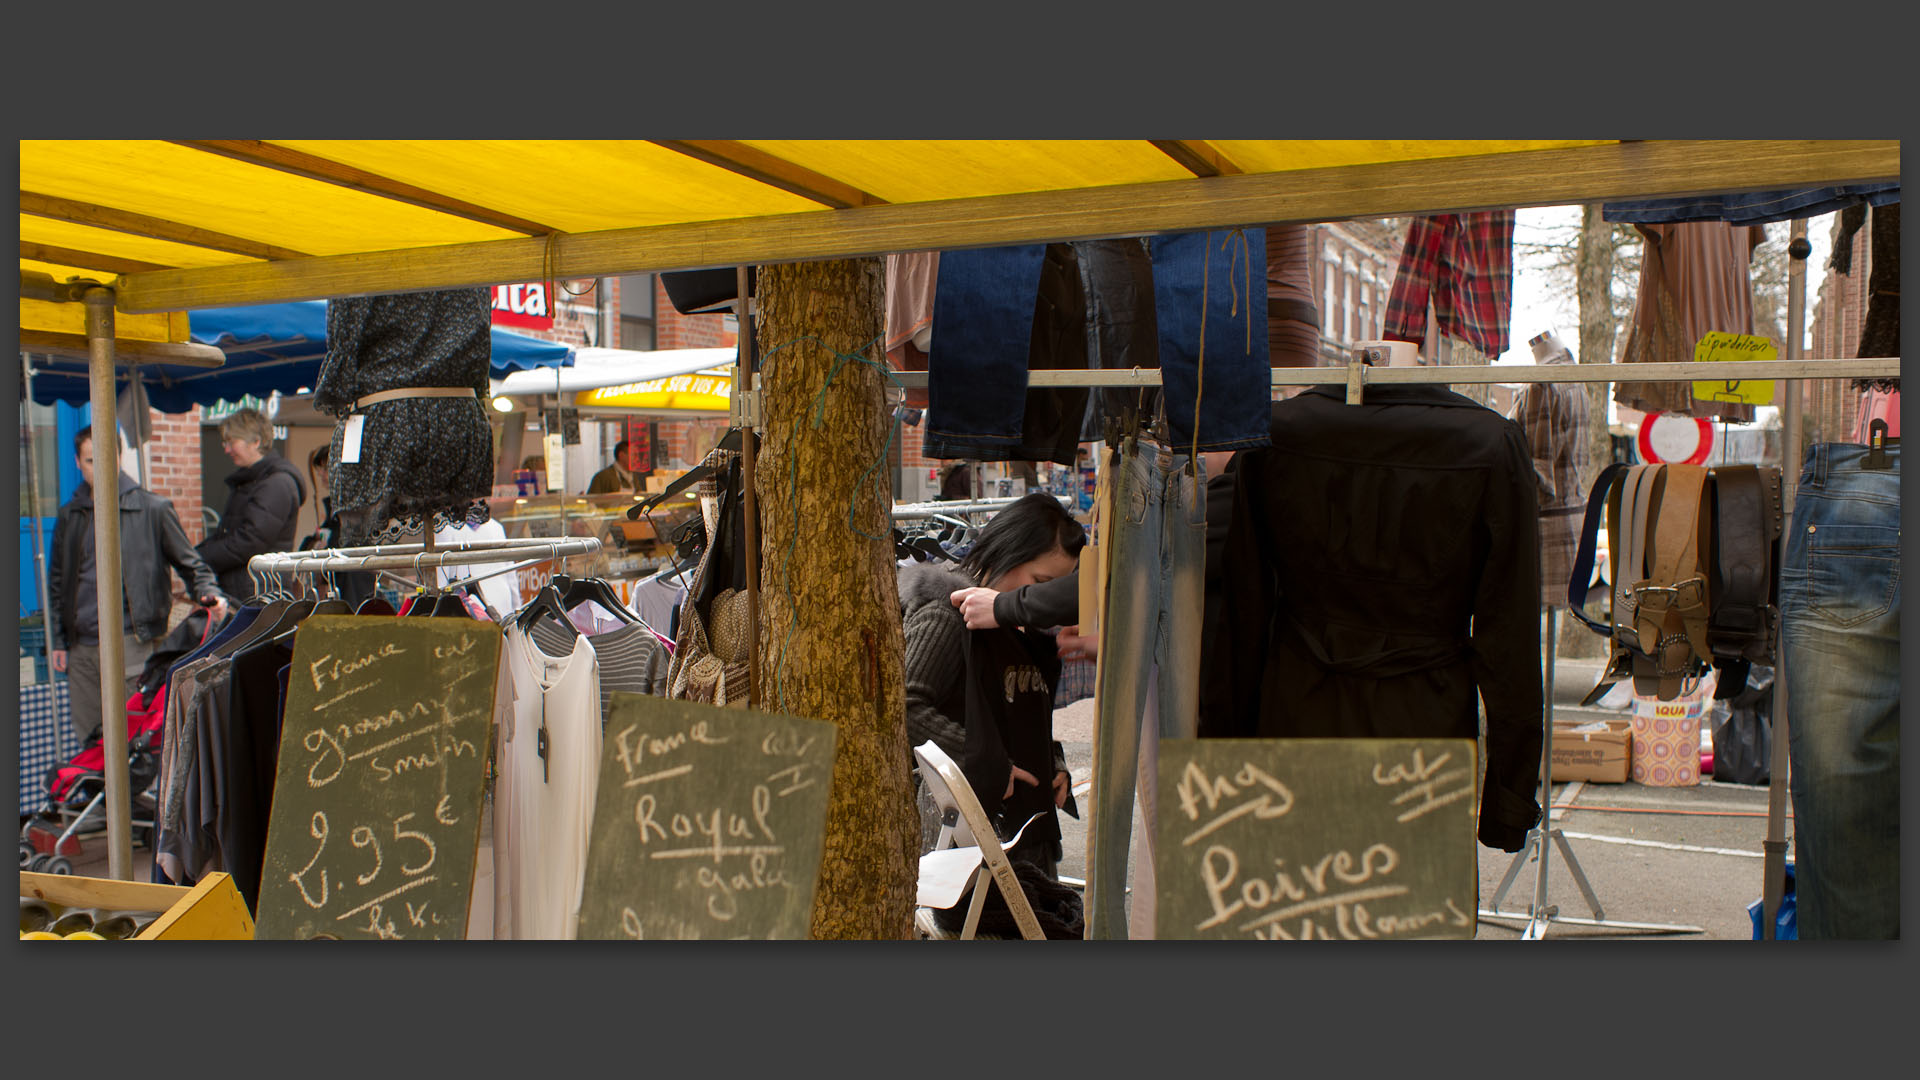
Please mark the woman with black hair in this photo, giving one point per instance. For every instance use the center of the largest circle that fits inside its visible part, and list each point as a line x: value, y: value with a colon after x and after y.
x: 986, y: 696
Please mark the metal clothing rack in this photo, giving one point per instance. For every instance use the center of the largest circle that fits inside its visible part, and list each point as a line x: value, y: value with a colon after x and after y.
x: 387, y: 558
x: 1370, y: 375
x: 950, y: 509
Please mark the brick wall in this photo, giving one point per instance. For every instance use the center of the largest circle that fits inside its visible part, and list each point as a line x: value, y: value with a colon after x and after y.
x: 1831, y: 407
x: 173, y: 466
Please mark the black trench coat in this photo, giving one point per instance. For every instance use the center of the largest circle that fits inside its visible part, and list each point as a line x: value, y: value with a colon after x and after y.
x: 1385, y: 567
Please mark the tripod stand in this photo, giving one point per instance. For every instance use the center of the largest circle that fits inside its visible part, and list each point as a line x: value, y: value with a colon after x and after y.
x: 1540, y: 915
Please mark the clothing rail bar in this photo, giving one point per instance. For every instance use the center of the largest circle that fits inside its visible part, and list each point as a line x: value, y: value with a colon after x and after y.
x: 417, y: 556
x: 1691, y: 371
x: 936, y: 509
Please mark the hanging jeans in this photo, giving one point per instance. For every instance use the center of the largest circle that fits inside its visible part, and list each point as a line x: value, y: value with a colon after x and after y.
x: 1224, y: 275
x: 982, y: 334
x: 999, y: 312
x: 1840, y: 612
x: 1155, y: 587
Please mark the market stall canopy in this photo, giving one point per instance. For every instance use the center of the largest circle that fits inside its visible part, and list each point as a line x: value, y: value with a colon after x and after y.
x: 189, y: 224
x: 594, y: 369
x: 269, y: 347
x: 694, y: 392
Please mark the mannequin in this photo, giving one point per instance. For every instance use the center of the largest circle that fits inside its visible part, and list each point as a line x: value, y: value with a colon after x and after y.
x: 1554, y: 418
x: 1398, y: 353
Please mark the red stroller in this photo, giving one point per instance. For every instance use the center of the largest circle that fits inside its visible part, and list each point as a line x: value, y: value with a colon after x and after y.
x: 76, y: 806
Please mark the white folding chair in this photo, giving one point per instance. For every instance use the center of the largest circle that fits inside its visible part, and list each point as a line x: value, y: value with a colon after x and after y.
x: 958, y: 859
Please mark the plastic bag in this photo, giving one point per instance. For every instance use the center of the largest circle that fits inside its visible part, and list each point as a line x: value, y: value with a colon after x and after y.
x: 1743, y: 739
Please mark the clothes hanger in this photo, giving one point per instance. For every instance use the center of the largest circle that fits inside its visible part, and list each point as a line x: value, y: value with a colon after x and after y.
x: 1877, y: 443
x: 544, y: 602
x: 449, y: 605
x: 581, y: 590
x: 334, y: 604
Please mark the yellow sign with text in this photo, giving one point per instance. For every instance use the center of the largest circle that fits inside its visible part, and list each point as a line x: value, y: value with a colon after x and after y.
x: 1717, y: 346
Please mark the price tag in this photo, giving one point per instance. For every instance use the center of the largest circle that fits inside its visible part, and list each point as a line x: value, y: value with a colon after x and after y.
x: 350, y: 438
x: 1717, y: 346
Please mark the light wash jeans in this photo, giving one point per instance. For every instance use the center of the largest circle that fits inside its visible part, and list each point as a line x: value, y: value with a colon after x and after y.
x: 1840, y: 612
x: 1155, y: 592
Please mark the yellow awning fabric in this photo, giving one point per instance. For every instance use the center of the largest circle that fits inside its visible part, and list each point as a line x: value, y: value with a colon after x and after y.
x: 185, y: 224
x: 705, y: 391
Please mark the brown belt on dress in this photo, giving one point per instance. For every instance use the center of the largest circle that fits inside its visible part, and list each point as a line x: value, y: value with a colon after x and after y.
x: 415, y: 392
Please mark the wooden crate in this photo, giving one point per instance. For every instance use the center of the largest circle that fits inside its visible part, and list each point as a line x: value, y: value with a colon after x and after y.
x: 210, y: 911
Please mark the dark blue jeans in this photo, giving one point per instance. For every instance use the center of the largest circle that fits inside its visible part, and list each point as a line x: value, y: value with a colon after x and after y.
x: 1223, y: 273
x: 982, y: 332
x: 1840, y: 612
x: 984, y: 339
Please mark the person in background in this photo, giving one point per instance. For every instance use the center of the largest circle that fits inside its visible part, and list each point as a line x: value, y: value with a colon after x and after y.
x: 1000, y: 729
x: 957, y: 484
x: 263, y: 510
x: 151, y: 540
x: 615, y: 477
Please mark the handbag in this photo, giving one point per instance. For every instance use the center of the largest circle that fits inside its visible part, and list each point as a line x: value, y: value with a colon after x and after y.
x: 714, y: 613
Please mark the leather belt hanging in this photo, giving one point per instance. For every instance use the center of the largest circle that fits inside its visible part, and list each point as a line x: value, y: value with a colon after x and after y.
x: 1696, y: 556
x: 1745, y: 608
x: 1671, y: 604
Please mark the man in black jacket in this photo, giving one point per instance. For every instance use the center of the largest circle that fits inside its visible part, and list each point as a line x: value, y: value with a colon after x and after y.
x: 263, y: 511
x: 151, y: 539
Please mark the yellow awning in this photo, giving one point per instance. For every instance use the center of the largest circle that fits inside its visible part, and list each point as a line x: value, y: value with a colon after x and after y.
x: 705, y: 391
x: 183, y: 224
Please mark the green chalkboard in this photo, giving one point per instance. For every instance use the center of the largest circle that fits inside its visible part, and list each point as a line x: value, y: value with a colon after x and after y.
x: 1290, y: 839
x: 709, y: 822
x: 375, y: 824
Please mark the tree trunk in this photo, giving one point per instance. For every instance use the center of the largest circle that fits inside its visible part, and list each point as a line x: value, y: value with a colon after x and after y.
x: 1457, y: 351
x: 830, y: 633
x: 1598, y: 327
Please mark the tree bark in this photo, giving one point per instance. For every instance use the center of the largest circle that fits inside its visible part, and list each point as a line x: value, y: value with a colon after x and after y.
x: 1459, y: 352
x: 1599, y: 324
x: 830, y: 635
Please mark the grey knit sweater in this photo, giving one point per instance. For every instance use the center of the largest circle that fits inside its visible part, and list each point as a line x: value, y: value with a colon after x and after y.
x: 935, y: 655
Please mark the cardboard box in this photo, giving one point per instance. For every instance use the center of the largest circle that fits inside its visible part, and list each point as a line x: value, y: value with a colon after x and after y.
x: 1598, y: 757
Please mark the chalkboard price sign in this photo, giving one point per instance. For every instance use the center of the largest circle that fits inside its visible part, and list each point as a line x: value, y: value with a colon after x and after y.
x: 375, y: 825
x: 1295, y: 839
x: 709, y: 822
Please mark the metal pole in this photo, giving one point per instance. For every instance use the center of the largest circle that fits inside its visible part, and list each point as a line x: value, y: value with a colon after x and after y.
x: 744, y: 379
x: 1542, y: 913
x: 39, y: 540
x: 109, y: 592
x: 1774, y: 889
x: 140, y: 448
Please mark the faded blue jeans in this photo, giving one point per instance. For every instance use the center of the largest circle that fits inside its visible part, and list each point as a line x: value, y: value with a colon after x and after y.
x: 1155, y: 592
x: 1840, y: 612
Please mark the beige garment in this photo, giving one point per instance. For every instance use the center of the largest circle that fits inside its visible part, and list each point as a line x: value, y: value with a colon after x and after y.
x: 1693, y: 280
x: 910, y: 283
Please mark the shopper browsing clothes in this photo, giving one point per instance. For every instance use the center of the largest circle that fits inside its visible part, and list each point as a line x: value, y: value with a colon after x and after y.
x: 151, y: 540
x: 264, y: 508
x: 986, y: 696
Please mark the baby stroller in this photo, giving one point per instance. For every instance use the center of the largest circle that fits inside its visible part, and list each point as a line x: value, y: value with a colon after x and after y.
x: 76, y: 806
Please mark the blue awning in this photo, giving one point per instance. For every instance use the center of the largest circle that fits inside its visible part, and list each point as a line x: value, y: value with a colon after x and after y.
x: 269, y: 347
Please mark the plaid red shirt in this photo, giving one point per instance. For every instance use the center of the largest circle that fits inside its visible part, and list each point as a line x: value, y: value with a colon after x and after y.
x: 1465, y: 262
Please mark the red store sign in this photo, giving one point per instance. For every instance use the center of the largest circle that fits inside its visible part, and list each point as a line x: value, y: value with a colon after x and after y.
x: 529, y: 306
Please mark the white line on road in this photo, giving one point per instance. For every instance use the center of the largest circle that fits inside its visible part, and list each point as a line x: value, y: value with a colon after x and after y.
x: 1661, y: 844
